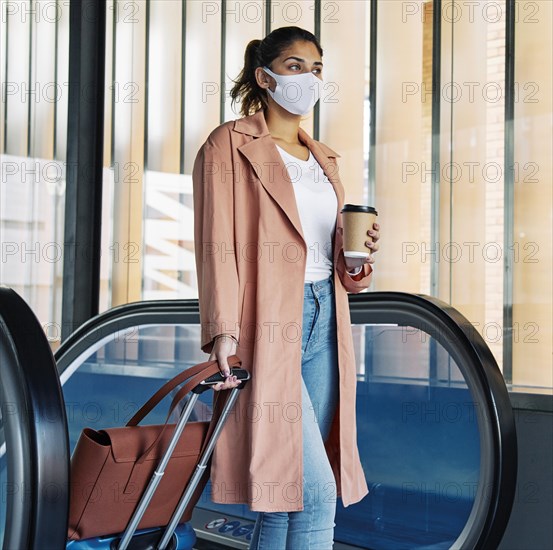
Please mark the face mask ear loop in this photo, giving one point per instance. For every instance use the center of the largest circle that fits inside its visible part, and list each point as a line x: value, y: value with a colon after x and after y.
x: 268, y: 89
x: 267, y: 70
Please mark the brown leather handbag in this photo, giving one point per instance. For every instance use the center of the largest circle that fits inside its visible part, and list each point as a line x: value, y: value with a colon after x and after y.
x: 111, y: 468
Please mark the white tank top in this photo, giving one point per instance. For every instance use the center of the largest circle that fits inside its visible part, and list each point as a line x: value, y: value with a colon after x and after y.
x: 317, y: 204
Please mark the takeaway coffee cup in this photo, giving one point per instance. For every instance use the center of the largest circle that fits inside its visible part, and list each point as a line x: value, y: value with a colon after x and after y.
x: 357, y: 220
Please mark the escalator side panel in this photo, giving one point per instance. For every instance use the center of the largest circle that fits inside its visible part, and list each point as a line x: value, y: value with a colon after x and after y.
x: 37, y: 441
x: 18, y: 461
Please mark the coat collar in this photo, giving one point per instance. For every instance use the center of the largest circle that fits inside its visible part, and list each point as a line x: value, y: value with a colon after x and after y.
x: 262, y: 154
x: 256, y: 126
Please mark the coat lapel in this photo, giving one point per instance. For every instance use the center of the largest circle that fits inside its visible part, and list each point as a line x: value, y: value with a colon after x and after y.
x: 263, y: 156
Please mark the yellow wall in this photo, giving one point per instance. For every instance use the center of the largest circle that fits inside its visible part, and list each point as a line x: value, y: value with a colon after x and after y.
x: 532, y: 308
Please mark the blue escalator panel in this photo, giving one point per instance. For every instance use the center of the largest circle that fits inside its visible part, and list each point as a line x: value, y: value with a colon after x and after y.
x: 3, y: 484
x: 184, y: 538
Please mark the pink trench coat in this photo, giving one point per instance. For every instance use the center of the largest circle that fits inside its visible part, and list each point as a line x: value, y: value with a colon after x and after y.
x: 251, y: 259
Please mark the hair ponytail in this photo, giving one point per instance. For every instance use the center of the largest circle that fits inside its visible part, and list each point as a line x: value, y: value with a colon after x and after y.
x: 245, y: 87
x: 260, y: 53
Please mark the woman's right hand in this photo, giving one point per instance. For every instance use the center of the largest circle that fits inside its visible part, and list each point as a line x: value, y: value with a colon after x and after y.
x: 223, y: 347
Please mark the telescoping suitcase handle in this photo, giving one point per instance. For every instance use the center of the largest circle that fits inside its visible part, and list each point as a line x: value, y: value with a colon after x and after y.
x: 200, y: 378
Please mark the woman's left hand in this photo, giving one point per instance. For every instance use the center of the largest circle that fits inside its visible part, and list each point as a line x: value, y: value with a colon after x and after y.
x: 374, y: 233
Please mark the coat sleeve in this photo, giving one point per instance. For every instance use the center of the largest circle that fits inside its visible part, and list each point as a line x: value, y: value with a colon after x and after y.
x: 216, y: 266
x: 350, y: 282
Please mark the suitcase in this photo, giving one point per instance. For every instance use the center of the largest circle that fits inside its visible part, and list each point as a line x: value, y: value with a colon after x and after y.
x: 173, y: 536
x: 183, y: 538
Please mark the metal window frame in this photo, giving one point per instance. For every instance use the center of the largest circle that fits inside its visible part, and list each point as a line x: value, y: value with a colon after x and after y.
x: 6, y: 46
x: 435, y: 147
x: 317, y: 108
x: 223, y: 65
x: 182, y: 159
x: 85, y: 142
x: 146, y: 80
x: 509, y: 191
x: 373, y: 64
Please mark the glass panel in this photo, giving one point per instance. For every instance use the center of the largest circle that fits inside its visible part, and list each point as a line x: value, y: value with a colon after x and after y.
x: 532, y: 336
x: 169, y: 264
x: 157, y: 123
x: 164, y: 86
x: 33, y: 123
x: 472, y: 167
x: 418, y: 440
x: 245, y: 21
x: 343, y: 104
x: 32, y: 201
x: 403, y: 145
x: 202, y: 83
x: 472, y: 217
x: 167, y: 213
x: 127, y: 90
x: 301, y: 14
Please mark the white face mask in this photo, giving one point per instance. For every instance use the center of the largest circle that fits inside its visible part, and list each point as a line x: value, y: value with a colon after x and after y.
x: 297, y: 93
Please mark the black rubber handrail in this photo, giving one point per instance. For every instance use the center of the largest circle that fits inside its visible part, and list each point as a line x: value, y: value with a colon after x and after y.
x: 117, y: 319
x: 35, y: 430
x: 498, y: 469
x: 498, y: 443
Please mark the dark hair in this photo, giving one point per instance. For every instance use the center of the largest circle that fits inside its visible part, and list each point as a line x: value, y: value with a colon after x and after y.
x: 261, y: 53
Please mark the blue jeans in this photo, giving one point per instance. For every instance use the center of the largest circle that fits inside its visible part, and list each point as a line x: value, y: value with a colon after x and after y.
x: 313, y: 527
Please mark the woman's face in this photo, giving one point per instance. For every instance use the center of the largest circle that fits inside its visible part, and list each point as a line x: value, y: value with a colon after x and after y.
x: 301, y: 57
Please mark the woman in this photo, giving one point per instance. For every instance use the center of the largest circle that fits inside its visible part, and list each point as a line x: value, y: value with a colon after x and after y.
x: 273, y: 285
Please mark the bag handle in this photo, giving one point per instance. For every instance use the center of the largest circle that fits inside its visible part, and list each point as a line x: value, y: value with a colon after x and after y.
x: 197, y: 374
x: 204, y: 368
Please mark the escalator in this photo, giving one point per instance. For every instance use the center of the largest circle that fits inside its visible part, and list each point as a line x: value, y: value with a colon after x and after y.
x: 435, y: 426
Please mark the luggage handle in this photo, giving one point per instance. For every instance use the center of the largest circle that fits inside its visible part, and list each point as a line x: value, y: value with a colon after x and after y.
x: 202, y: 468
x: 213, y: 428
x: 241, y: 374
